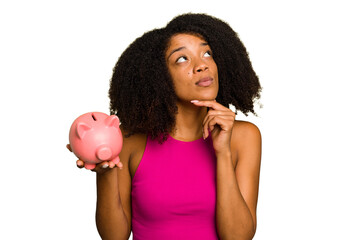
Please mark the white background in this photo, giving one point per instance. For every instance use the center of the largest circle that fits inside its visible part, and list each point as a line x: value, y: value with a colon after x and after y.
x: 56, y: 59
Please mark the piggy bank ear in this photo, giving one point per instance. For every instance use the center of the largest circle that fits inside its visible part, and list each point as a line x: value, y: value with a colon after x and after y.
x: 81, y: 129
x: 112, y: 121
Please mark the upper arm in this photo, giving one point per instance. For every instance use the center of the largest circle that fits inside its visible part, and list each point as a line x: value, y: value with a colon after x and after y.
x: 247, y: 144
x: 131, y: 154
x: 124, y: 181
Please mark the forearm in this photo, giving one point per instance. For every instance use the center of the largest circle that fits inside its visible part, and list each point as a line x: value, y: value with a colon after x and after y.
x: 233, y: 217
x: 110, y: 217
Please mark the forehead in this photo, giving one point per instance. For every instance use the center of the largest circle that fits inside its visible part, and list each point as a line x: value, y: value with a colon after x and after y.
x: 181, y: 39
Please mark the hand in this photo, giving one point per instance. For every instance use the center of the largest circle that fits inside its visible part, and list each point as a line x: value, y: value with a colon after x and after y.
x: 219, y: 121
x: 100, y: 167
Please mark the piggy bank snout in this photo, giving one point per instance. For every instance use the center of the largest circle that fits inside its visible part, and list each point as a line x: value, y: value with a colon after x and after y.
x: 104, y: 153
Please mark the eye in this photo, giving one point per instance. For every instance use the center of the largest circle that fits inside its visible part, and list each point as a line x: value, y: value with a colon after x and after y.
x: 208, y: 54
x: 181, y: 59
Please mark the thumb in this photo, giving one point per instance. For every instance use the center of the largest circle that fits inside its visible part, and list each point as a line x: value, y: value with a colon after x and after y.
x: 80, y: 163
x: 68, y: 147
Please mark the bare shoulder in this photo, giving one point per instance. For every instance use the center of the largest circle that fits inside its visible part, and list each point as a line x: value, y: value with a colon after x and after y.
x: 246, y: 140
x: 132, y: 144
x: 132, y: 151
x: 243, y: 132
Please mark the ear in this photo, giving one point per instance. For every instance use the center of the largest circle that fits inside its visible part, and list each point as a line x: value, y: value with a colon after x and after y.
x: 112, y: 121
x: 81, y: 129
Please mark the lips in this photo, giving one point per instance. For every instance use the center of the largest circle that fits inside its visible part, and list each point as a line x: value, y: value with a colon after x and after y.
x: 205, y: 82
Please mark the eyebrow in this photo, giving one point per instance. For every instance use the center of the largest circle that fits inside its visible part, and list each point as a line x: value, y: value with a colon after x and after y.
x: 181, y: 48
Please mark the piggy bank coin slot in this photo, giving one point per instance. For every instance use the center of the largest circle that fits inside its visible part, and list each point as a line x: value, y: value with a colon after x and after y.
x: 93, y: 117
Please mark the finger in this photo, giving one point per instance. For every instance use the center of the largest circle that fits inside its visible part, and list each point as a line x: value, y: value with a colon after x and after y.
x: 100, y: 167
x: 104, y: 165
x: 209, y: 126
x: 68, y: 147
x: 223, y: 122
x: 222, y: 114
x: 111, y: 164
x: 80, y: 163
x: 212, y: 104
x: 120, y: 165
x: 206, y: 128
x: 229, y: 114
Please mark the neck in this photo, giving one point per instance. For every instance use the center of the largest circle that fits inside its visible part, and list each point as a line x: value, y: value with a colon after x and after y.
x: 189, y: 119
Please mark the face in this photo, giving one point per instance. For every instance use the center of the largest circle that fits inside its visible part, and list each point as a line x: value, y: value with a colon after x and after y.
x: 192, y: 68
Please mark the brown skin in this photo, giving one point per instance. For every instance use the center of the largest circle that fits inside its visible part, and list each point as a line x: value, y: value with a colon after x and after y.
x: 189, y: 60
x: 237, y: 146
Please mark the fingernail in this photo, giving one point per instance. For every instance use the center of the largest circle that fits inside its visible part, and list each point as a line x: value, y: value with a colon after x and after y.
x: 194, y: 101
x: 79, y: 164
x: 105, y: 166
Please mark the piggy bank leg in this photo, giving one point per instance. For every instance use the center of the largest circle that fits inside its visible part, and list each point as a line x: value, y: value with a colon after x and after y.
x: 90, y: 166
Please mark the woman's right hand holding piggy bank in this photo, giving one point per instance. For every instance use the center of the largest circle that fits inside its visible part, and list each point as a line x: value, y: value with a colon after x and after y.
x: 100, y: 167
x: 95, y: 138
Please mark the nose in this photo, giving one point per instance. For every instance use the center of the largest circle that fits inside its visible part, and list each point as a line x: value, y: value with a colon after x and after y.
x: 200, y: 66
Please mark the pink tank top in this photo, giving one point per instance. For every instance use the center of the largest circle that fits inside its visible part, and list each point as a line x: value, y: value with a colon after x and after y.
x: 174, y: 191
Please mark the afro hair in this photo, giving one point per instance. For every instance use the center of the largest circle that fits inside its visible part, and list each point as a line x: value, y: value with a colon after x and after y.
x: 142, y: 92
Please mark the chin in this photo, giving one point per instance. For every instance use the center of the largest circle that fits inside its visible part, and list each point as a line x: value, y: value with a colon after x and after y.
x: 207, y: 97
x: 210, y: 98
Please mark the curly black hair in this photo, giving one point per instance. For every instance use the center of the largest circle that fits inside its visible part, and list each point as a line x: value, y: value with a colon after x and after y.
x: 142, y: 92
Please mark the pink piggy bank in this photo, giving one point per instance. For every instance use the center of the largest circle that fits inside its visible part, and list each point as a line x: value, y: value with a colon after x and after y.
x: 96, y: 137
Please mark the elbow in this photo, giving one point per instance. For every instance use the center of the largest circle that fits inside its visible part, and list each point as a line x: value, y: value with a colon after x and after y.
x: 252, y: 234
x: 246, y: 235
x: 112, y: 232
x: 243, y: 236
x: 240, y: 233
x: 249, y: 233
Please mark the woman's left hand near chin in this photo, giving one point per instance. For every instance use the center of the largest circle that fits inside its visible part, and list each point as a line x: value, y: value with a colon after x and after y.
x: 219, y: 121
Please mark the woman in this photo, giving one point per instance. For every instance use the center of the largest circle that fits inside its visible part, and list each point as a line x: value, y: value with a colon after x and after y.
x: 188, y: 170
